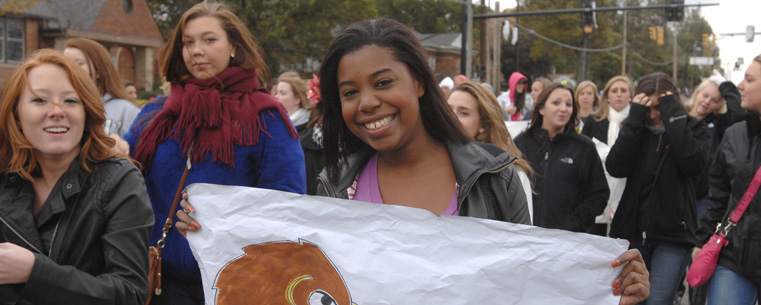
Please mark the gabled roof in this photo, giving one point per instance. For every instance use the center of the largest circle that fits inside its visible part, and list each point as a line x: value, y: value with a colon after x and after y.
x: 441, y: 42
x: 67, y: 14
x: 103, y: 20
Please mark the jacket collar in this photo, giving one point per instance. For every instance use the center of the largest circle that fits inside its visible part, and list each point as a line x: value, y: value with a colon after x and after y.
x: 543, y: 135
x: 67, y: 186
x: 753, y: 123
x: 18, y: 199
x: 469, y: 162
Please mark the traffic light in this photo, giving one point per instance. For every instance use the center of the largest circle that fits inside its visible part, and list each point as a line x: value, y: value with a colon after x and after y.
x: 589, y: 16
x: 652, y: 33
x: 707, y: 47
x: 659, y: 41
x: 675, y: 14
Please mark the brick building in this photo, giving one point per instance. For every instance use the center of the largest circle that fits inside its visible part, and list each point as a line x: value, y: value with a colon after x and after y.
x: 444, y: 51
x: 125, y: 27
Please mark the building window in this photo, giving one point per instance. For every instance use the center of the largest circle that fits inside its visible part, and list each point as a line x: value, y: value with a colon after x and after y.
x: 127, y: 5
x: 432, y: 62
x: 11, y: 40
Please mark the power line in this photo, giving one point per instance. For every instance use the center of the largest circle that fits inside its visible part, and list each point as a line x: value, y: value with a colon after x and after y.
x: 555, y: 42
x: 657, y: 64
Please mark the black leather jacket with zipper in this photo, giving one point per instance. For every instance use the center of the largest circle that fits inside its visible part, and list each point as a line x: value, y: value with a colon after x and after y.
x: 737, y: 160
x: 489, y: 186
x: 89, y: 238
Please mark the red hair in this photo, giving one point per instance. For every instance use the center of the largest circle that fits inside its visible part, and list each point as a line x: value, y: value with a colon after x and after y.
x: 16, y: 153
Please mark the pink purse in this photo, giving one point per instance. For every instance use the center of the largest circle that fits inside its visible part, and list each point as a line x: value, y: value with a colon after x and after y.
x: 704, y: 264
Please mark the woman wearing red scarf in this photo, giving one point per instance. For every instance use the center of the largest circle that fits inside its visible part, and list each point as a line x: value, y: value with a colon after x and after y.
x: 234, y: 130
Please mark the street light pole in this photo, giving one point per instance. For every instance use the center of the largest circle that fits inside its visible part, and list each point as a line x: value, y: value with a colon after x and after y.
x: 674, y: 26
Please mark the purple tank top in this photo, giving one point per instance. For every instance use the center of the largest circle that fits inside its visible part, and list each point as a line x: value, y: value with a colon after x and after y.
x: 368, y: 190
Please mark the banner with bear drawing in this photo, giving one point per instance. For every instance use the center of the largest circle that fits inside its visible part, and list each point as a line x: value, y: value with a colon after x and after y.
x: 258, y: 246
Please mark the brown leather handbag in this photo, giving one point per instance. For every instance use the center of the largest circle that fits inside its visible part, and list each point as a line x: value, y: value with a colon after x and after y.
x: 154, y: 252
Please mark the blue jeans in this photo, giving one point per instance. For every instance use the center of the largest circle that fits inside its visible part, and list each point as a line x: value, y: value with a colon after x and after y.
x: 730, y: 288
x: 667, y: 264
x: 179, y: 293
x: 702, y: 206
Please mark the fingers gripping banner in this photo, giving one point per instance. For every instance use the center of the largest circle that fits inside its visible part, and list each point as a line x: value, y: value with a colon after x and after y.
x: 258, y: 246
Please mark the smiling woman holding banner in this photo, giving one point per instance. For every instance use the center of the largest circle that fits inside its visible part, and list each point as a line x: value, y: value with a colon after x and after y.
x: 391, y: 138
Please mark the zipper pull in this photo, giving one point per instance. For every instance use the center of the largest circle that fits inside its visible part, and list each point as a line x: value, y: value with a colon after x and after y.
x: 546, y: 155
x: 644, y: 237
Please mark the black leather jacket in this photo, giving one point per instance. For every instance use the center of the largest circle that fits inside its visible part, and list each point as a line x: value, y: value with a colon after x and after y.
x: 489, y: 186
x: 89, y: 239
x: 737, y: 161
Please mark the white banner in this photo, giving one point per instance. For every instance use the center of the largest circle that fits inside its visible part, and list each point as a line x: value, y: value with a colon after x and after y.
x: 516, y: 128
x: 615, y: 185
x: 258, y: 246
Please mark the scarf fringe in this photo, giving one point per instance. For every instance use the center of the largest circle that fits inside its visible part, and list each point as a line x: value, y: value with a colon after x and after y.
x: 238, y: 133
x: 205, y: 110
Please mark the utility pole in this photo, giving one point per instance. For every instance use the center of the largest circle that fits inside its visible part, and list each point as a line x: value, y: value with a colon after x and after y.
x: 469, y: 42
x: 484, y: 45
x: 464, y: 52
x: 517, y: 44
x: 466, y: 65
x: 674, y: 29
x: 623, y: 55
x: 497, y: 51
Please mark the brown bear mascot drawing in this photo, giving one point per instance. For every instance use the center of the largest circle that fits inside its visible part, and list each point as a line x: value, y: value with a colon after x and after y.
x: 286, y: 273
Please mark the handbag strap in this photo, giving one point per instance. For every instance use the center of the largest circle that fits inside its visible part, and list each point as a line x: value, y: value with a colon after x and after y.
x: 746, y: 199
x: 173, y: 209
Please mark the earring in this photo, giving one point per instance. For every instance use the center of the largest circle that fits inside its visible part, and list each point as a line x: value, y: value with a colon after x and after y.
x: 481, y: 130
x: 232, y: 55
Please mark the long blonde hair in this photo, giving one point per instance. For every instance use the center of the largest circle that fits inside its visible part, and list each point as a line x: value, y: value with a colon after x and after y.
x: 703, y: 85
x: 492, y: 121
x: 603, y: 113
x: 298, y: 89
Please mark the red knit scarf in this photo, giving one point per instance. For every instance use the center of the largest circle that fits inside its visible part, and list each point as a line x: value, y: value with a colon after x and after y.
x: 212, y: 115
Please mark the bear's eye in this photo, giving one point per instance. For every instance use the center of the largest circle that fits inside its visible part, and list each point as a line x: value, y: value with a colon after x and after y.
x: 320, y: 297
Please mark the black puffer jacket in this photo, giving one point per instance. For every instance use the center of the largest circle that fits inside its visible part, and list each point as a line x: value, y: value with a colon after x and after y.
x: 569, y: 180
x: 489, y: 185
x: 736, y: 163
x: 89, y: 239
x: 668, y: 213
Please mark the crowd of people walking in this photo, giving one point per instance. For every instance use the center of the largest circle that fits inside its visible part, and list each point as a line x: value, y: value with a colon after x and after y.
x: 88, y: 176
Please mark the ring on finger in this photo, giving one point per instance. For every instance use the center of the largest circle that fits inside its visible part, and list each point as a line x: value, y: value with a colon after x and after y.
x: 186, y: 211
x: 637, y: 101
